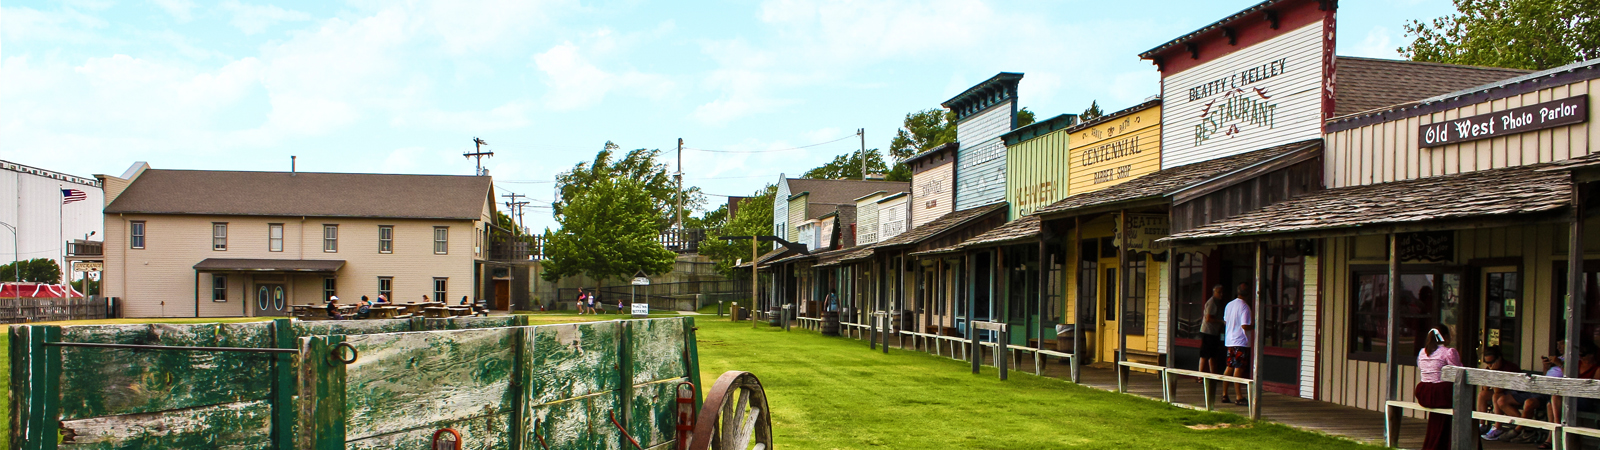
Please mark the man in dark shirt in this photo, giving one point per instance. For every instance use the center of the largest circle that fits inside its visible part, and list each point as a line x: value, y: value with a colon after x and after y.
x: 333, y: 308
x: 1493, y: 360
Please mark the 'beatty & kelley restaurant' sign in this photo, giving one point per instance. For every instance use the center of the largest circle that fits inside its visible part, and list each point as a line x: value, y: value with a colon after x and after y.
x: 1550, y: 114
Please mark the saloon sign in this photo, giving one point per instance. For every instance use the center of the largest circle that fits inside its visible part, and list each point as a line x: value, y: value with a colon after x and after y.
x: 1551, y: 114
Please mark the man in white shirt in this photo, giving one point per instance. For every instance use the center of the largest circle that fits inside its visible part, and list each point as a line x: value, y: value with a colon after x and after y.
x: 1236, y: 335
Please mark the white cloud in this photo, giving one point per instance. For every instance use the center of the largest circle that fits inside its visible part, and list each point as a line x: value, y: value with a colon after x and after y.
x: 28, y: 24
x: 576, y: 83
x: 252, y: 19
x: 1377, y: 44
x: 179, y: 9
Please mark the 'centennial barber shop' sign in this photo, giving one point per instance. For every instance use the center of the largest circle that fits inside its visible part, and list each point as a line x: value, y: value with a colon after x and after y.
x: 1550, y: 114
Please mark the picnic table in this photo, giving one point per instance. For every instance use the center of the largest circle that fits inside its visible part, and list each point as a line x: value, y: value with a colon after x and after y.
x: 384, y: 312
x: 460, y: 310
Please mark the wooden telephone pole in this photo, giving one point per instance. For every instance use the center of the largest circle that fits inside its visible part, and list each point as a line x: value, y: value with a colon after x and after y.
x: 479, y: 153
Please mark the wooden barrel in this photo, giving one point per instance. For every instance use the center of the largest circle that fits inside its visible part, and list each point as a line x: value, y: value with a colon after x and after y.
x: 830, y: 323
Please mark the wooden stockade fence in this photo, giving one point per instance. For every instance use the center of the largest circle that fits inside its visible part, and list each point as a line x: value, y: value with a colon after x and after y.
x: 24, y: 310
x: 496, y: 381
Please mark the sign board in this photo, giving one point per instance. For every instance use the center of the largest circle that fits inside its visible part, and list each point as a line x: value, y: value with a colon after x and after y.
x: 88, y: 266
x: 1118, y: 150
x: 1257, y: 97
x: 1567, y: 111
x: 1143, y: 230
x: 641, y: 309
x: 981, y: 159
x: 1431, y: 246
x: 641, y: 281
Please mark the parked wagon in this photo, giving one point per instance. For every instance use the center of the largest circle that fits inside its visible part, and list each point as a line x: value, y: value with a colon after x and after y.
x: 456, y: 383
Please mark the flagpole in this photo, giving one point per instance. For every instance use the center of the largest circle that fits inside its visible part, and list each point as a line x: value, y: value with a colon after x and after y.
x: 61, y: 236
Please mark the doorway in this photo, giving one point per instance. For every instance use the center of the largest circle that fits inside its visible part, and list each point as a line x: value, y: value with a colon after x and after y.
x: 271, y: 300
x: 1499, y: 323
x: 502, y: 294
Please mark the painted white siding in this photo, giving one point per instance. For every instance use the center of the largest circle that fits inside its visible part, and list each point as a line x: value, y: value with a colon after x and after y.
x: 32, y: 204
x: 932, y: 194
x: 780, y: 211
x: 1310, y: 330
x: 981, y: 160
x: 1165, y: 307
x: 893, y: 217
x: 867, y: 219
x: 1257, y: 97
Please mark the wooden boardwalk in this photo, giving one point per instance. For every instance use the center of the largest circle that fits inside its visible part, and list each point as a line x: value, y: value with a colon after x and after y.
x: 1357, y: 424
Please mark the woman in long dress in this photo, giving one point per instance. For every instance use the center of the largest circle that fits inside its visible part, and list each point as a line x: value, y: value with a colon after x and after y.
x: 1433, y: 391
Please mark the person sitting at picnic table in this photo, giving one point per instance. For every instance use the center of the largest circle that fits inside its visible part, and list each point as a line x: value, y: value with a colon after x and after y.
x: 476, y: 309
x: 364, y: 309
x: 1432, y: 391
x: 382, y: 299
x: 333, y: 308
x: 1523, y: 404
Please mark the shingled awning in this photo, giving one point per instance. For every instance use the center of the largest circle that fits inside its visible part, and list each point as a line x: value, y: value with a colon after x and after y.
x: 768, y: 257
x: 947, y: 222
x: 1517, y: 192
x: 1157, y: 186
x: 268, y: 265
x: 1022, y: 229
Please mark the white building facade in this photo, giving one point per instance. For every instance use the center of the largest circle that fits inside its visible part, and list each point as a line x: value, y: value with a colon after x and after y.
x: 45, y: 219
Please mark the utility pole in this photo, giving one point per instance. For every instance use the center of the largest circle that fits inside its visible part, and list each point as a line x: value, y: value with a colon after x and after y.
x: 863, y: 133
x: 479, y: 153
x: 679, y: 177
x: 515, y: 206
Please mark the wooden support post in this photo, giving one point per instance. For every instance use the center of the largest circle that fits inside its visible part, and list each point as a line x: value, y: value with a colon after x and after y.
x: 1124, y: 282
x: 1391, y: 379
x: 625, y: 373
x: 691, y: 348
x: 1575, y: 296
x: 885, y: 317
x: 1391, y: 425
x: 283, y: 385
x: 1077, y: 328
x: 36, y: 402
x: 977, y: 346
x: 1463, y: 434
x: 1257, y: 313
x: 1172, y: 318
x: 1003, y: 350
x: 322, y: 386
x: 1044, y: 286
x: 974, y: 351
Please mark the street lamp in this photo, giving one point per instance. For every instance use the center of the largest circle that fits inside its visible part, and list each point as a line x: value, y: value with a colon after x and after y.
x: 755, y: 275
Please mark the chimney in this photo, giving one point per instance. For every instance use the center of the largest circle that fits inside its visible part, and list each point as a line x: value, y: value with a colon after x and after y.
x: 291, y: 165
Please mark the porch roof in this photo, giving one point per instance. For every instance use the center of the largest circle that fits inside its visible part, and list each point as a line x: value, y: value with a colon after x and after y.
x: 1509, y: 192
x: 833, y: 257
x: 1159, y: 186
x: 1024, y: 228
x: 766, y: 257
x: 938, y: 251
x: 945, y: 223
x: 268, y: 265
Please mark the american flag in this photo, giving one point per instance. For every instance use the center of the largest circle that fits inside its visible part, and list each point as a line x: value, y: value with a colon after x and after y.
x: 72, y: 195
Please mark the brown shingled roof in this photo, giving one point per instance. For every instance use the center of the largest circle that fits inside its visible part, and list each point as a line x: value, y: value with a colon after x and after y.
x: 213, y: 192
x: 826, y: 195
x: 1367, y: 84
x: 1500, y: 192
x: 1025, y: 227
x: 932, y: 229
x: 1170, y: 181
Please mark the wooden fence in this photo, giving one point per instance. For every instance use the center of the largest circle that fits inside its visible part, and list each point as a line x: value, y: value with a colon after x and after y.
x: 351, y: 385
x: 24, y: 310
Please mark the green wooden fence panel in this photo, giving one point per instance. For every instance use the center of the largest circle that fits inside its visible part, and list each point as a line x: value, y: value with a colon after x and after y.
x: 350, y: 327
x: 420, y: 382
x: 467, y: 322
x: 99, y: 382
x: 656, y: 349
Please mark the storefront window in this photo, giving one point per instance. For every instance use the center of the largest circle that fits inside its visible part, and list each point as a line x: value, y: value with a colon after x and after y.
x: 1426, y: 298
x: 1191, y: 295
x: 1133, y: 312
x: 1285, y: 292
x: 1591, y: 305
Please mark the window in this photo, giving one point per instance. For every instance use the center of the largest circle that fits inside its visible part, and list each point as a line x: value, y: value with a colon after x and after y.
x: 330, y: 287
x: 439, y: 291
x: 1133, y: 308
x: 1191, y: 295
x: 385, y: 238
x: 1088, y: 268
x: 274, y: 237
x: 1425, y: 296
x: 1284, y: 289
x: 386, y: 287
x: 136, y: 234
x: 219, y: 288
x: 441, y: 240
x: 219, y: 236
x: 330, y: 238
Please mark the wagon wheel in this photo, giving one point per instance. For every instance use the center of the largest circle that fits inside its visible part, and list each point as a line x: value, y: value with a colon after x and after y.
x: 735, y: 415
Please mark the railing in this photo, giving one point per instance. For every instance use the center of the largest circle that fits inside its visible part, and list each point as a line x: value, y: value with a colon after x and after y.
x: 1464, y: 432
x: 682, y: 240
x: 668, y: 296
x: 506, y: 247
x: 79, y: 247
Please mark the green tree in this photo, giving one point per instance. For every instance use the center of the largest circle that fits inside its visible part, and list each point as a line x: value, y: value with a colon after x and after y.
x: 922, y: 131
x: 39, y: 270
x: 608, y: 230
x: 639, y: 165
x: 1024, y: 117
x: 1519, y: 34
x: 1092, y: 113
x: 754, y: 218
x: 848, y: 167
x: 92, y: 288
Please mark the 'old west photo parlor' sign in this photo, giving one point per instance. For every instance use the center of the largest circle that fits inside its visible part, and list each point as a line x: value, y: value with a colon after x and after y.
x: 1551, y: 114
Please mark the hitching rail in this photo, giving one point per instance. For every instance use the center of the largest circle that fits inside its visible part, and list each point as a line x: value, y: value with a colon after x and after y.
x: 1467, y: 380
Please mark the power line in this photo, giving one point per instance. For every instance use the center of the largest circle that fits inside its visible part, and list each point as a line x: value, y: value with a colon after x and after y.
x: 771, y: 150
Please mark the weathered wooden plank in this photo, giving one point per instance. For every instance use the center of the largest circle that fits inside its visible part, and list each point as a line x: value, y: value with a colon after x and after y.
x: 488, y: 432
x: 322, y: 401
x: 463, y: 323
x: 581, y: 423
x: 657, y: 349
x: 573, y: 360
x: 1576, y: 387
x: 654, y: 414
x: 283, y: 385
x: 21, y: 383
x: 243, y: 425
x: 402, y: 381
x: 350, y: 327
x: 108, y: 381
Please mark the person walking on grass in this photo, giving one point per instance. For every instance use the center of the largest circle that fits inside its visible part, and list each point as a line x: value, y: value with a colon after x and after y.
x: 1237, y: 325
x: 1212, y: 350
x: 583, y: 301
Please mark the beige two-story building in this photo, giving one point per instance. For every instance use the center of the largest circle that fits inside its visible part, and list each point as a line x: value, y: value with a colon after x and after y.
x: 200, y: 243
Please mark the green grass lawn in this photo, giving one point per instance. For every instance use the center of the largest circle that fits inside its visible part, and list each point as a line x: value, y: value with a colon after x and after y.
x: 833, y: 393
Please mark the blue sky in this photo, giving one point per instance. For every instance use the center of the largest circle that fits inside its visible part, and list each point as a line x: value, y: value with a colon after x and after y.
x: 90, y: 86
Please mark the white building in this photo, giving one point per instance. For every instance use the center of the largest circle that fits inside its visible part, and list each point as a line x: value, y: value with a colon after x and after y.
x: 36, y: 204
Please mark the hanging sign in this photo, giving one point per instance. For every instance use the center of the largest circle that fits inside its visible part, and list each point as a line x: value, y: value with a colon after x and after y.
x: 1143, y: 230
x: 1550, y: 114
x: 87, y: 266
x: 1432, y: 246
